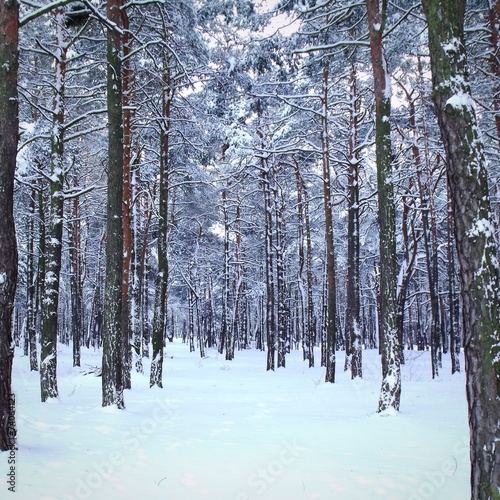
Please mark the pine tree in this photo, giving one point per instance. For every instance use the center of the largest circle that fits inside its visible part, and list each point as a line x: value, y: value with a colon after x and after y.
x: 9, y: 125
x: 391, y: 376
x: 112, y: 352
x: 475, y: 238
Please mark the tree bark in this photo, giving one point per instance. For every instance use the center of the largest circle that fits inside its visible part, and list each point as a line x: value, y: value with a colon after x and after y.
x: 50, y: 301
x: 352, y: 312
x: 31, y: 284
x: 391, y: 371
x: 127, y: 202
x: 9, y: 126
x: 160, y: 305
x: 74, y: 230
x: 475, y: 238
x: 331, y: 286
x: 112, y: 353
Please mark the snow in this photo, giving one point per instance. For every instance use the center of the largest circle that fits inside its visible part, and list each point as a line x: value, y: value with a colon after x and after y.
x: 460, y: 100
x: 230, y: 430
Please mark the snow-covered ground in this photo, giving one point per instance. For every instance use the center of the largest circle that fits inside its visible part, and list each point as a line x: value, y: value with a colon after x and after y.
x: 230, y: 430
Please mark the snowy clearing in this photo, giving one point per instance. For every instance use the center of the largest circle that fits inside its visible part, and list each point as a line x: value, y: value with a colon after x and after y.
x: 230, y: 430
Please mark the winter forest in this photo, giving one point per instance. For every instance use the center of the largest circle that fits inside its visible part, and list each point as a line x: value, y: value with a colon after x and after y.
x: 307, y: 184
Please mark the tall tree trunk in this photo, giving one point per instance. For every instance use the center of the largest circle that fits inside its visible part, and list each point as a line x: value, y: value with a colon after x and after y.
x: 225, y: 341
x: 475, y: 238
x: 280, y: 279
x: 453, y: 297
x: 331, y: 287
x: 76, y: 280
x: 270, y: 285
x: 127, y: 202
x: 9, y: 126
x: 390, y: 393
x: 112, y: 353
x: 136, y: 274
x: 50, y: 301
x: 352, y: 311
x: 31, y: 284
x: 160, y: 305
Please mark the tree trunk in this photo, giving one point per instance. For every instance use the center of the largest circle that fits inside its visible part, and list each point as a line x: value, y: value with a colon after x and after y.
x: 136, y: 274
x: 225, y: 341
x: 9, y: 126
x: 475, y: 238
x: 391, y: 375
x: 76, y: 281
x: 280, y: 279
x: 31, y: 284
x: 50, y: 301
x: 331, y: 287
x: 112, y: 353
x: 160, y: 305
x: 352, y: 311
x: 453, y: 298
x: 127, y: 202
x: 270, y: 325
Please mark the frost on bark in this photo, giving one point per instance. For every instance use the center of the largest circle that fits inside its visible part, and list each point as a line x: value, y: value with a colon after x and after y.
x: 50, y: 299
x: 112, y: 353
x: 474, y: 236
x: 391, y: 374
x: 9, y: 125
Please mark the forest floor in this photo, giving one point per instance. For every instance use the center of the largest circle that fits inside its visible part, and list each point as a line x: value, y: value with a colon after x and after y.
x: 222, y: 430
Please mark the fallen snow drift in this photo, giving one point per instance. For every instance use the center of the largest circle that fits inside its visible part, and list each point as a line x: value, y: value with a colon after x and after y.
x: 230, y: 430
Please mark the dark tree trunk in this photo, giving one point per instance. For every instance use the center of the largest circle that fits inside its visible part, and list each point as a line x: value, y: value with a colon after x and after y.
x: 226, y: 333
x: 280, y: 279
x: 453, y: 297
x: 127, y: 202
x: 31, y: 284
x: 76, y: 282
x: 160, y: 306
x: 9, y: 126
x: 390, y: 393
x: 331, y: 287
x: 352, y: 311
x: 270, y: 325
x: 50, y: 301
x: 112, y: 353
x: 475, y: 238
